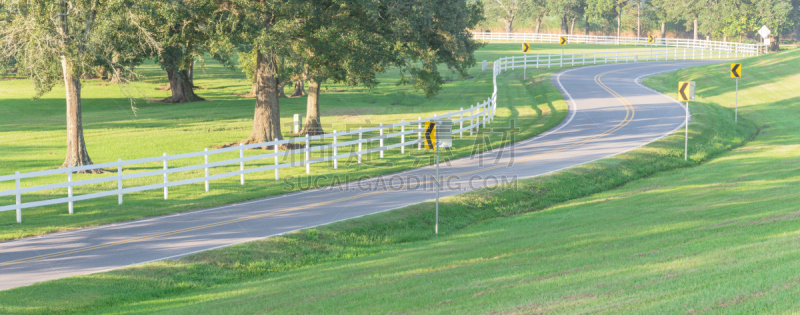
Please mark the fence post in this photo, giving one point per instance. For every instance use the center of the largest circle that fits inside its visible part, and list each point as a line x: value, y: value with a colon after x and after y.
x: 308, y: 156
x: 166, y: 178
x: 335, y: 152
x: 461, y: 124
x: 360, y: 137
x: 381, y: 140
x: 471, y: 109
x: 419, y: 134
x: 69, y: 187
x: 206, y: 161
x: 241, y: 163
x: 275, y: 147
x: 402, y: 136
x: 477, y: 119
x: 485, y: 115
x: 119, y: 181
x: 19, y: 199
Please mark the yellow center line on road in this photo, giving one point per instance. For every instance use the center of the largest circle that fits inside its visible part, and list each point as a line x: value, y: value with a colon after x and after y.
x: 629, y: 114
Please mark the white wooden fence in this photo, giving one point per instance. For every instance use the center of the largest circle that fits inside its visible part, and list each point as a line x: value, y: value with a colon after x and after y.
x: 467, y: 120
x: 589, y: 58
x: 740, y: 48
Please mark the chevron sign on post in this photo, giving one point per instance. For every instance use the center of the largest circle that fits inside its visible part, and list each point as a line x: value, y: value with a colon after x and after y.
x: 686, y: 93
x: 651, y: 39
x: 438, y: 133
x: 736, y: 73
x: 686, y: 90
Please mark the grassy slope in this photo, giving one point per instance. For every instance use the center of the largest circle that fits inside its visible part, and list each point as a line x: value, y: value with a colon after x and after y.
x: 32, y: 137
x: 716, y: 238
x: 493, y: 264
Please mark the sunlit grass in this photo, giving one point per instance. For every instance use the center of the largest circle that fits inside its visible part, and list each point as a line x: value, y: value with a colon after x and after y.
x: 641, y: 232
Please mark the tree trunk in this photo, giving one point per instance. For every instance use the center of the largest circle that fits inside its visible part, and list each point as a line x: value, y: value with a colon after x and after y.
x: 190, y: 72
x: 76, y: 146
x: 663, y: 31
x: 509, y: 23
x: 796, y: 33
x: 180, y: 86
x: 299, y: 90
x: 538, y: 24
x: 775, y: 42
x: 586, y: 29
x: 572, y: 27
x: 102, y: 73
x: 564, y: 25
x: 254, y: 90
x: 312, y: 125
x: 267, y: 118
x: 619, y: 23
x: 281, y: 93
x: 695, y: 28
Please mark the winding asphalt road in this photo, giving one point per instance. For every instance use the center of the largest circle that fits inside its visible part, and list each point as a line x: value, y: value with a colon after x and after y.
x: 610, y: 113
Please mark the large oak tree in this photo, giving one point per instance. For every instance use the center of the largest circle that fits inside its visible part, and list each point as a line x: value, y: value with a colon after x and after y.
x: 63, y: 40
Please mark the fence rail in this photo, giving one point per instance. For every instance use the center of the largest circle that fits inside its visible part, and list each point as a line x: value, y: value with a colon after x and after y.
x: 467, y: 120
x: 740, y: 48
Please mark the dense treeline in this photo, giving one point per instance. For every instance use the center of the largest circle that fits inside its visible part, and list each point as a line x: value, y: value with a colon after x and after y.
x: 698, y: 19
x: 279, y: 41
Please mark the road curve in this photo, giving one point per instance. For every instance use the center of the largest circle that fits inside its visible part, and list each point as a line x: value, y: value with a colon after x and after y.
x: 610, y: 113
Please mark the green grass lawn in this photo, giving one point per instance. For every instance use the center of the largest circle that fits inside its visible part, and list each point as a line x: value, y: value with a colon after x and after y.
x: 641, y: 232
x: 32, y: 134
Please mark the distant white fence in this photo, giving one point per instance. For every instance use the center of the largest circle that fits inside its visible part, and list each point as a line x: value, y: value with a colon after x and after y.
x: 739, y: 48
x: 589, y: 58
x: 467, y: 120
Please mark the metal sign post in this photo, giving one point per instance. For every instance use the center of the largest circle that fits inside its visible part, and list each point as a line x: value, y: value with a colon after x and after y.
x: 563, y: 42
x: 438, y: 133
x: 438, y: 188
x: 525, y: 48
x: 736, y: 73
x: 686, y: 93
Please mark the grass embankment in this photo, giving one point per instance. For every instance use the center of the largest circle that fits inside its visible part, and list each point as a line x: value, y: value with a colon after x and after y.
x: 32, y: 135
x: 634, y: 248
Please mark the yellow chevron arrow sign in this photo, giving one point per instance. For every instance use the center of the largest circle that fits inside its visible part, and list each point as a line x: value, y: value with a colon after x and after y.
x: 736, y: 70
x: 686, y: 90
x: 526, y: 47
x: 430, y: 135
x: 562, y: 40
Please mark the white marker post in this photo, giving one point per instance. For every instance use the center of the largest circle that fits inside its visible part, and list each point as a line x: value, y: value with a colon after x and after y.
x: 436, y: 228
x: 736, y: 112
x: 686, y: 146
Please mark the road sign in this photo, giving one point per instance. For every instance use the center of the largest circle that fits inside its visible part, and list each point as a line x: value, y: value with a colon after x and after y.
x: 736, y: 70
x: 526, y: 47
x: 562, y: 40
x: 444, y: 133
x: 651, y: 39
x: 430, y: 135
x: 764, y: 31
x: 438, y: 133
x: 686, y: 90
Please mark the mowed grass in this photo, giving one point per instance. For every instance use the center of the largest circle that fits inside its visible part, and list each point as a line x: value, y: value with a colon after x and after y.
x: 631, y: 246
x: 32, y: 135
